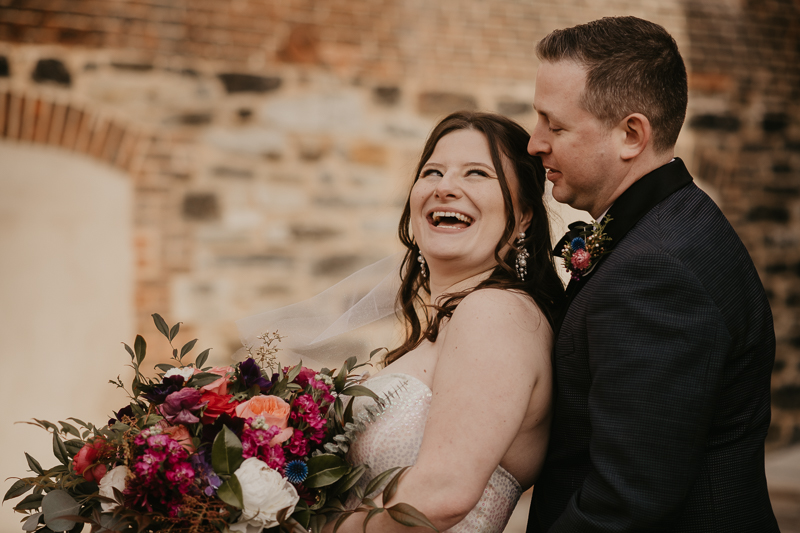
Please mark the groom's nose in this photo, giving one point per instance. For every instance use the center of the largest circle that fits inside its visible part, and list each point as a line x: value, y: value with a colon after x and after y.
x: 537, y: 145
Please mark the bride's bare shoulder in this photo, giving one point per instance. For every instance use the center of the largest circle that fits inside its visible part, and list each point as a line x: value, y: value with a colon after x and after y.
x: 509, y: 307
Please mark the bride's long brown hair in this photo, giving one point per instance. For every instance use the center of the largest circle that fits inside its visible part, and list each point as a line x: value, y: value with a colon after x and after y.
x: 506, y: 139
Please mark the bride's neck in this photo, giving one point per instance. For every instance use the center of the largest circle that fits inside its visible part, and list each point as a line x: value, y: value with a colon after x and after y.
x: 443, y: 284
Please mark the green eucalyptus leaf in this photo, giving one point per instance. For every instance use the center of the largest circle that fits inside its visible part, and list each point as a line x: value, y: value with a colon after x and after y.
x: 201, y: 359
x: 174, y: 331
x: 348, y: 412
x: 360, y: 390
x: 230, y: 492
x: 407, y: 515
x: 34, y: 465
x: 379, y: 480
x: 161, y: 325
x: 164, y: 367
x: 79, y: 422
x: 202, y: 379
x: 32, y: 523
x: 19, y: 488
x: 69, y: 428
x: 59, y: 450
x: 371, y: 515
x: 338, y: 410
x: 324, y: 470
x: 188, y: 347
x: 30, y: 502
x: 295, y: 371
x: 130, y: 351
x: 73, y: 446
x: 47, y: 425
x: 140, y: 349
x: 226, y: 452
x: 57, y: 504
x: 391, y: 487
x: 349, y: 479
x: 340, y: 381
x: 350, y: 363
x: 340, y: 521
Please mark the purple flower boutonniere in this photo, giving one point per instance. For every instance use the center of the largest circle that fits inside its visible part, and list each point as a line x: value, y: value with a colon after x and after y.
x: 582, y: 252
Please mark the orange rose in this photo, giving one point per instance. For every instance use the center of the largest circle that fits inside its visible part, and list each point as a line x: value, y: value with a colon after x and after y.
x: 274, y: 410
x: 219, y: 386
x: 180, y: 434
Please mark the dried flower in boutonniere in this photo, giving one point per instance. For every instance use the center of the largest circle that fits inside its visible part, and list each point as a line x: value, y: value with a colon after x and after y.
x: 582, y: 252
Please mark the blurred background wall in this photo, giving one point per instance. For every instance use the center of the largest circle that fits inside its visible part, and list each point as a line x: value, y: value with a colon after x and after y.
x: 209, y: 159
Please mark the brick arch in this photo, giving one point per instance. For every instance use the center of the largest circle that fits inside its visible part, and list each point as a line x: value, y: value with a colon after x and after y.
x: 36, y: 119
x: 32, y: 118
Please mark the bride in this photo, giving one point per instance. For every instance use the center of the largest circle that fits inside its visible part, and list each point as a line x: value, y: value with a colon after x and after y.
x: 471, y: 384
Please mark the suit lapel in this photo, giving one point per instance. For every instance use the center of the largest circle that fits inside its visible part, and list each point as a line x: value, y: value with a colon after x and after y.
x: 646, y: 193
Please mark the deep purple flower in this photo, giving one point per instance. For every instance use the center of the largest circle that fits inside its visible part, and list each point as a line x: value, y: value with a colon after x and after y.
x: 125, y: 411
x: 168, y: 386
x: 178, y: 406
x: 210, y: 431
x: 205, y: 473
x: 251, y: 375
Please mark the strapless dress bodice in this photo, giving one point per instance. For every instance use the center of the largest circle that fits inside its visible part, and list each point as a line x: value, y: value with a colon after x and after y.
x: 393, y: 435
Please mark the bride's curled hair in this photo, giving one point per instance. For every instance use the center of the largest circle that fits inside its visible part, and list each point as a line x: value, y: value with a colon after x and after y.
x: 506, y: 139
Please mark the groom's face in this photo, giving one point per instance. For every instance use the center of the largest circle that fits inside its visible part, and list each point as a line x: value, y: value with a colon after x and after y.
x: 576, y: 148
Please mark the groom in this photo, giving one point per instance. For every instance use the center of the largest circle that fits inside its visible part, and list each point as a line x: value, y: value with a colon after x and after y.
x: 663, y: 358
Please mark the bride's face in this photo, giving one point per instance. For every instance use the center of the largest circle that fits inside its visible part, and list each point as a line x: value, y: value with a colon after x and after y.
x: 457, y: 210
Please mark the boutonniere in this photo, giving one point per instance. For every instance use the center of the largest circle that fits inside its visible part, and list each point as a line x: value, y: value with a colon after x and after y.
x: 583, y: 251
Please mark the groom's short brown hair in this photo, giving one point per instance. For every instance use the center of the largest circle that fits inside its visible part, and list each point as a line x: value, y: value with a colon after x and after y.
x: 632, y: 66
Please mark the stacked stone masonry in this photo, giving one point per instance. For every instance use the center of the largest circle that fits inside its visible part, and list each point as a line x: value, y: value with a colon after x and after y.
x: 271, y: 143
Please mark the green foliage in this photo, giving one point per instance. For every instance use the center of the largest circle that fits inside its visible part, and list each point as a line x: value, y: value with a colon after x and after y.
x: 325, y: 469
x: 226, y: 452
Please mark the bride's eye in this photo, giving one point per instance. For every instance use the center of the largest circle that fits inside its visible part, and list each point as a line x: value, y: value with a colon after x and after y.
x: 478, y: 172
x: 430, y: 172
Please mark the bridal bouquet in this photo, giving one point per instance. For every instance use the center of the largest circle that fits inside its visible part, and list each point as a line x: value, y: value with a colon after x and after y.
x: 239, y: 448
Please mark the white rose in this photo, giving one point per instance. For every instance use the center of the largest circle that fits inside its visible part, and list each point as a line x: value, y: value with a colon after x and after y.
x: 185, y: 372
x: 112, y: 480
x: 265, y: 492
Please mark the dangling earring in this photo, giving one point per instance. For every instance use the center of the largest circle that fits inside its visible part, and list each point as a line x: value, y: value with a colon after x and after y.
x: 522, y: 257
x: 421, y: 261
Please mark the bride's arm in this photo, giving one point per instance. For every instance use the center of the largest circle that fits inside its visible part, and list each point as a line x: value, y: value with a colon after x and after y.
x: 493, y: 353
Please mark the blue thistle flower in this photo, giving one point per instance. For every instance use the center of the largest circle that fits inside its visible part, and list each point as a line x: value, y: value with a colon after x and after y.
x: 578, y: 244
x: 296, y: 471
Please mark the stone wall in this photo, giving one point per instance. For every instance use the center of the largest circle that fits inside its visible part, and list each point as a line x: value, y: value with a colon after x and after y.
x: 270, y: 143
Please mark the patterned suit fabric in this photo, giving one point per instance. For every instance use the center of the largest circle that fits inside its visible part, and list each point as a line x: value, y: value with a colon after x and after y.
x: 662, y: 369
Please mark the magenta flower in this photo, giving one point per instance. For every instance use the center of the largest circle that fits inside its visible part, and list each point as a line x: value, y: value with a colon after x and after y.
x: 581, y: 259
x: 179, y: 406
x: 298, y: 445
x: 182, y: 476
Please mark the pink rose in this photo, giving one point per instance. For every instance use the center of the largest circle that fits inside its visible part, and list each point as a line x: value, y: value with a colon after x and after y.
x: 86, y: 457
x: 219, y: 386
x: 180, y: 434
x: 274, y: 410
x: 581, y: 260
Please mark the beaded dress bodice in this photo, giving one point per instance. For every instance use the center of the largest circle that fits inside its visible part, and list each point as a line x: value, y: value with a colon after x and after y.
x: 393, y: 438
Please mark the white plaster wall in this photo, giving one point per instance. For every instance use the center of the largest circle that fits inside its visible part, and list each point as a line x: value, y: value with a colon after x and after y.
x: 66, y: 298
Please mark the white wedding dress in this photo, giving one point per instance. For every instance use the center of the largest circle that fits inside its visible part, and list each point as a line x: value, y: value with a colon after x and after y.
x: 393, y: 437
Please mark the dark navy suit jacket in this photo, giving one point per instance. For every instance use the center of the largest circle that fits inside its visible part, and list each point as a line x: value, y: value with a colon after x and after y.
x: 662, y: 371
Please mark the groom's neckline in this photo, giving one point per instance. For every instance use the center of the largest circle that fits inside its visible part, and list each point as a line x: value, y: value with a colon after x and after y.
x: 646, y: 193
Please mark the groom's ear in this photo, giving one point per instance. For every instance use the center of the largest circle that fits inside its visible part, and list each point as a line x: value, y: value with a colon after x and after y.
x: 636, y: 133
